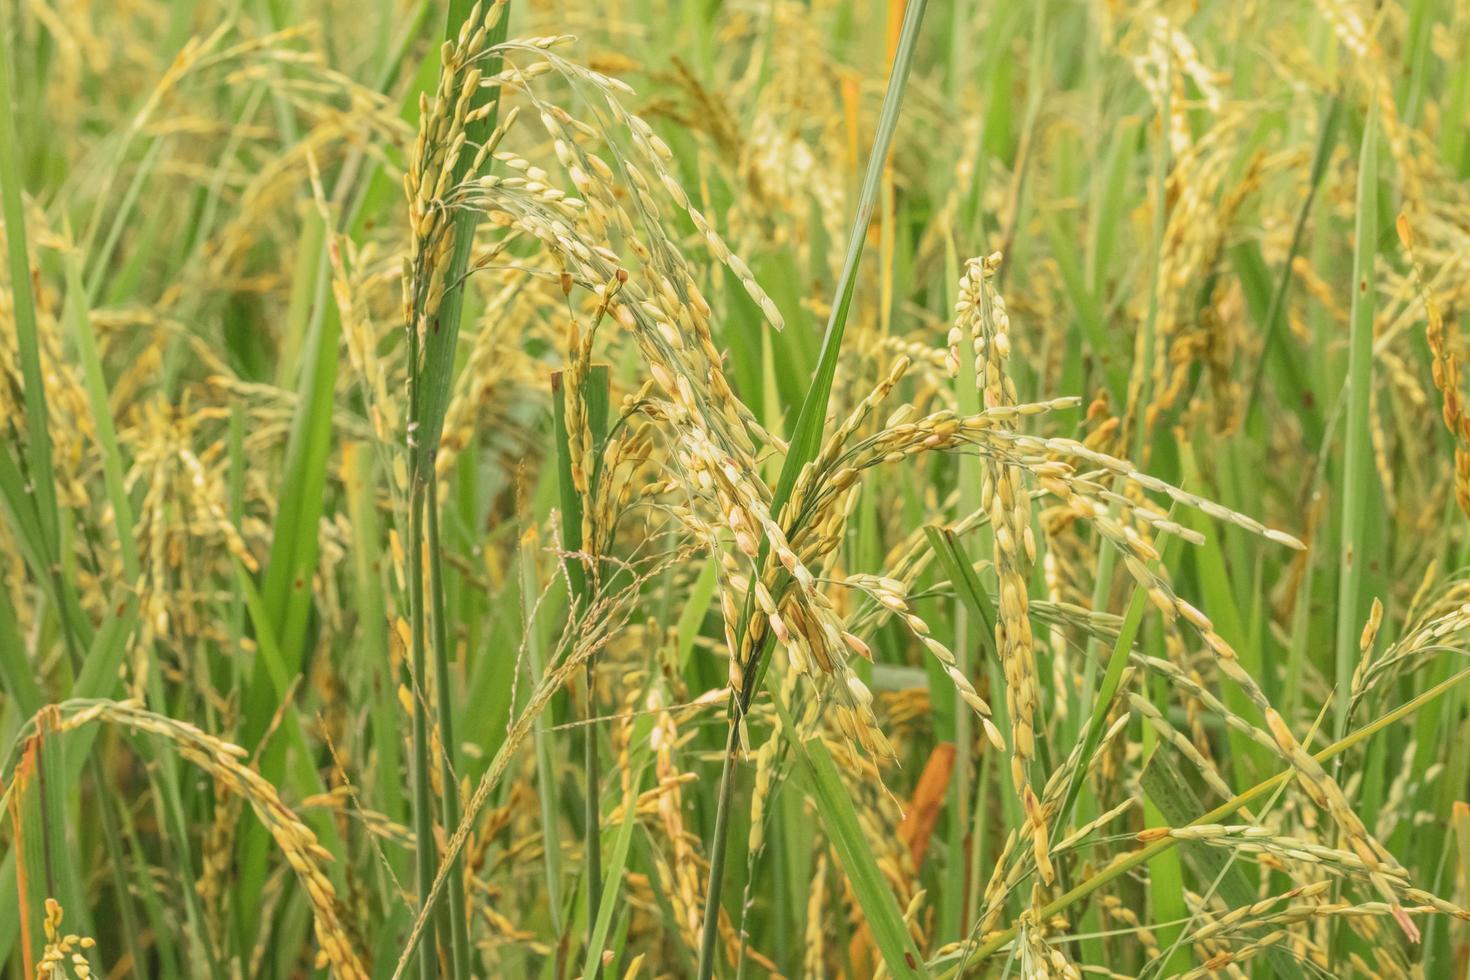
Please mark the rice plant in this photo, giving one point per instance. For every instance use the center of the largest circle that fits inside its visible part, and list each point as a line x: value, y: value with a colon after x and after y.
x: 880, y: 488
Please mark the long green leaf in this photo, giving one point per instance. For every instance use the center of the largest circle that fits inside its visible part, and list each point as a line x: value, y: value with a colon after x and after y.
x: 12, y: 203
x: 806, y: 439
x: 880, y: 908
x: 1359, y: 480
x: 962, y: 576
x: 1321, y: 155
x: 80, y: 324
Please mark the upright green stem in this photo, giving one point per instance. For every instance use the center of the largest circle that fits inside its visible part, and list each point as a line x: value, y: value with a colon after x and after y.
x: 711, y: 932
x: 456, y: 911
x: 1357, y: 470
x: 593, y: 392
x: 423, y: 808
x: 593, y: 778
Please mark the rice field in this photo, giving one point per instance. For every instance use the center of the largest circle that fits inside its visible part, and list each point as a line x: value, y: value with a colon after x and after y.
x: 774, y: 488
